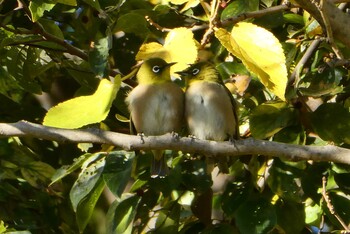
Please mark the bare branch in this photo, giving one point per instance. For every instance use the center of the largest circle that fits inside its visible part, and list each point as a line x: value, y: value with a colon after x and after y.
x: 168, y: 141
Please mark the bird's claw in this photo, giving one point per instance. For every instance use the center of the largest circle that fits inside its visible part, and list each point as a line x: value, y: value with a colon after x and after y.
x: 193, y: 137
x: 175, y: 135
x: 141, y: 135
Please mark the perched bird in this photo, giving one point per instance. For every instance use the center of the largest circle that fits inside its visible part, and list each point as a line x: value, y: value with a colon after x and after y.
x: 156, y: 106
x: 210, y: 113
x: 210, y: 110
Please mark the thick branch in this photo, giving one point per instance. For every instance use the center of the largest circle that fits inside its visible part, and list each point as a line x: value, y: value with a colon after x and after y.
x: 338, y: 19
x: 185, y: 144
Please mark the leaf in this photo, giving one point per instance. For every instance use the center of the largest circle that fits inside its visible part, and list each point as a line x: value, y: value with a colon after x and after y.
x: 98, y: 56
x: 87, y: 180
x: 238, y: 7
x: 67, y: 2
x: 331, y: 121
x: 132, y: 23
x: 121, y: 214
x: 66, y: 170
x: 179, y: 46
x: 84, y: 110
x: 38, y: 7
x: 291, y: 216
x: 235, y: 194
x: 87, y: 205
x: 256, y: 217
x: 37, y: 173
x: 260, y: 51
x: 117, y: 171
x: 168, y: 218
x: 268, y: 119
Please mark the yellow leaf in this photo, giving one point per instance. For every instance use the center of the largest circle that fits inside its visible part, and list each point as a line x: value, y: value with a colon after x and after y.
x: 84, y: 110
x: 179, y: 46
x: 260, y: 51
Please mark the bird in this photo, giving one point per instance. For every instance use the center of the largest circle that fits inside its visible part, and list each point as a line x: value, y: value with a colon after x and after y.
x: 210, y: 109
x: 210, y: 114
x: 156, y: 107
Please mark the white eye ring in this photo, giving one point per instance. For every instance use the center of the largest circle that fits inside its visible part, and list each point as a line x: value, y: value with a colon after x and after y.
x: 156, y: 69
x: 195, y: 71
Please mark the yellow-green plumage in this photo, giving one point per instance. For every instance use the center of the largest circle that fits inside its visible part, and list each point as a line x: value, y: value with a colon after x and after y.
x: 156, y: 106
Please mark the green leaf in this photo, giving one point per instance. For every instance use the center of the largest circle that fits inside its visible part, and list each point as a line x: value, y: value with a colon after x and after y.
x: 37, y: 173
x: 331, y: 121
x: 168, y: 218
x: 235, y: 194
x: 221, y: 228
x: 87, y: 180
x: 84, y: 110
x: 67, y: 2
x: 313, y: 214
x: 38, y: 7
x: 117, y: 171
x: 17, y: 66
x: 51, y: 27
x: 132, y: 23
x: 87, y: 204
x: 291, y: 216
x: 256, y: 217
x: 268, y: 119
x: 66, y: 170
x: 98, y: 56
x: 238, y: 7
x: 121, y: 214
x: 284, y: 181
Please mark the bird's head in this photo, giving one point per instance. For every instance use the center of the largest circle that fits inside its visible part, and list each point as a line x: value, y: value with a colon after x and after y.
x: 153, y: 71
x: 202, y: 71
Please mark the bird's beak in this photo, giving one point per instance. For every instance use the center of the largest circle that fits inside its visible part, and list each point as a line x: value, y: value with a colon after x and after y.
x: 170, y: 64
x: 182, y: 73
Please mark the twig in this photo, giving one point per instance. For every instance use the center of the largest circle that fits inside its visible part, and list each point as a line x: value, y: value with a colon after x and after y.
x: 185, y: 144
x: 212, y: 22
x: 330, y: 206
x: 295, y: 76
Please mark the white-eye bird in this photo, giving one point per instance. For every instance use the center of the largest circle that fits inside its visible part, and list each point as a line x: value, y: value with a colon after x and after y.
x: 210, y: 110
x: 156, y: 106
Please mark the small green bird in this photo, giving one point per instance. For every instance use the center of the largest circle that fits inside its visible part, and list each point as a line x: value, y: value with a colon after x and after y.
x: 210, y: 110
x: 156, y: 106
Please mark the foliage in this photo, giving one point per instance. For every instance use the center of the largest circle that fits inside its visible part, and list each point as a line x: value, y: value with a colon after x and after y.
x: 58, y: 51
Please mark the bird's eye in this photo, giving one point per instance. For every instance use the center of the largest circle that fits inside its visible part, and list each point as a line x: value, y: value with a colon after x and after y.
x: 156, y: 69
x: 195, y: 71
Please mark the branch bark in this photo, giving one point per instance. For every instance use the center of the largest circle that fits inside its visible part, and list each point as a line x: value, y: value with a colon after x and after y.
x: 338, y: 19
x: 186, y: 144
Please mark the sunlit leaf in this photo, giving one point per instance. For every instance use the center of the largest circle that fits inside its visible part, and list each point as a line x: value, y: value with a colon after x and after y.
x: 98, y: 56
x: 38, y: 7
x: 67, y: 2
x: 84, y: 110
x: 260, y: 51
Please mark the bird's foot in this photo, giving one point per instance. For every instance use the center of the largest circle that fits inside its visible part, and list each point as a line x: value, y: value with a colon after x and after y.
x: 175, y: 135
x: 141, y: 135
x: 193, y: 137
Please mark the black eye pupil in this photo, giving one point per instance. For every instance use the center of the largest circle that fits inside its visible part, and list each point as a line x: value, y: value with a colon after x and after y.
x: 156, y: 69
x: 195, y: 71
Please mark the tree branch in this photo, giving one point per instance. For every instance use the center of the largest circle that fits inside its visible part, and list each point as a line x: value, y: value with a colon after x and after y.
x: 185, y: 144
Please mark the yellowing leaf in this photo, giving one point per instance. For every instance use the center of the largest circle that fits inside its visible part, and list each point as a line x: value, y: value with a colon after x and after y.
x: 179, y: 47
x: 260, y: 51
x: 84, y: 110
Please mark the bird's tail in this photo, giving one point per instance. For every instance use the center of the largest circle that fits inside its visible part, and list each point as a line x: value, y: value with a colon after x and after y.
x: 159, y: 168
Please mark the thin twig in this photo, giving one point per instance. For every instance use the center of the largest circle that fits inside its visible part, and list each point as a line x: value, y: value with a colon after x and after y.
x: 212, y: 22
x: 330, y: 206
x: 295, y: 76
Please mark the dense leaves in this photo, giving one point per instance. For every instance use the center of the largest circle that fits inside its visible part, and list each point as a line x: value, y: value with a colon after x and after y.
x: 70, y: 63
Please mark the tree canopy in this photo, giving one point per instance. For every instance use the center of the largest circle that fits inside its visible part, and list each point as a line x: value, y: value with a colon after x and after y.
x: 68, y: 163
